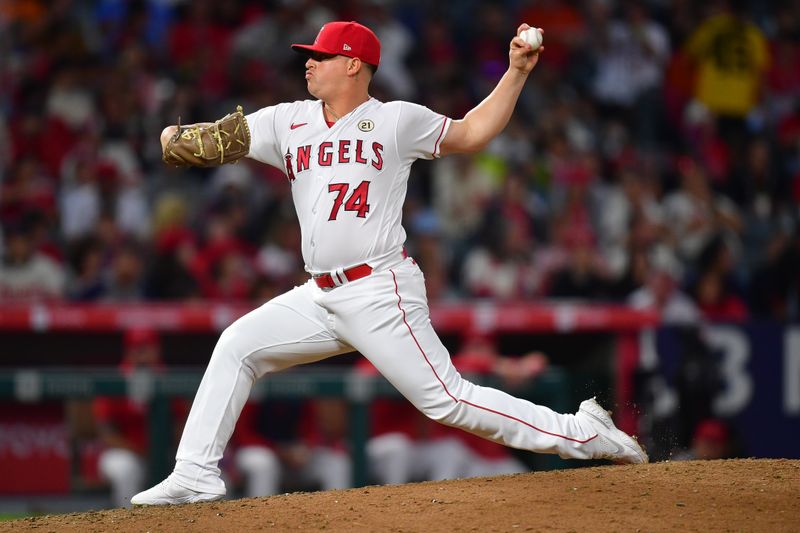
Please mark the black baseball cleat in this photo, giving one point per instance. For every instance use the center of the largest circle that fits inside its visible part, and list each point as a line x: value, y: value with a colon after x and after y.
x: 610, y: 443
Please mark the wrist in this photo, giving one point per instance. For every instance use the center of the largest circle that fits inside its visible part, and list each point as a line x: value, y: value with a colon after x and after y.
x: 517, y: 75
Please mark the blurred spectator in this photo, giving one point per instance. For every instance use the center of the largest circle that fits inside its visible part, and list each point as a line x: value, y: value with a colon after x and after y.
x: 631, y: 217
x: 488, y: 45
x: 279, y: 262
x: 783, y: 77
x: 199, y: 45
x: 224, y: 264
x: 716, y: 301
x: 762, y: 190
x: 171, y: 275
x: 479, y: 354
x: 25, y: 272
x: 131, y: 209
x: 584, y: 276
x: 574, y: 174
x: 395, y: 453
x: 126, y: 277
x: 715, y: 289
x: 292, y: 444
x: 564, y: 24
x: 662, y: 292
x: 122, y: 422
x: 426, y: 247
x: 26, y: 189
x: 84, y: 93
x: 502, y: 265
x: 69, y: 100
x: 698, y: 213
x: 631, y: 53
x: 731, y: 57
x: 711, y: 440
x: 88, y: 270
x: 775, y: 287
x: 435, y: 59
x: 396, y: 42
x: 462, y: 187
x: 713, y: 153
x: 507, y: 238
x: 81, y: 202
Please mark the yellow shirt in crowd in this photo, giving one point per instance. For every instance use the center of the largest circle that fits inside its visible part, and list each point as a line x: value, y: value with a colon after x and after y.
x: 731, y: 56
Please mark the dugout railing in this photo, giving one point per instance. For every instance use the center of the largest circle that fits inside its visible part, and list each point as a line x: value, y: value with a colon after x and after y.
x: 26, y: 327
x: 35, y: 385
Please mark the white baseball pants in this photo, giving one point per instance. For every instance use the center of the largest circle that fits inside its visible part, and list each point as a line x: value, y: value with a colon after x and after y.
x: 385, y: 317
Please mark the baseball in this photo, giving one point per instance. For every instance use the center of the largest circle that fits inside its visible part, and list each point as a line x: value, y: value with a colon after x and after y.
x: 532, y: 36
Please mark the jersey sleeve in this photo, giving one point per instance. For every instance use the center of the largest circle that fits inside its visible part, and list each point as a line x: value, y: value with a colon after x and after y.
x: 420, y: 131
x: 264, y: 142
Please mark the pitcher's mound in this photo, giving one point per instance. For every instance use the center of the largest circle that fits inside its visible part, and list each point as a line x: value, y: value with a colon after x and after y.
x: 735, y: 495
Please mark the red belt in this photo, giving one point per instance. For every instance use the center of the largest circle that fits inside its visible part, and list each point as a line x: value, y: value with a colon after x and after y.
x: 334, y: 279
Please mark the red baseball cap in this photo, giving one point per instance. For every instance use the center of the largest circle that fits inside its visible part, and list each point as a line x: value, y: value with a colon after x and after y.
x: 349, y: 39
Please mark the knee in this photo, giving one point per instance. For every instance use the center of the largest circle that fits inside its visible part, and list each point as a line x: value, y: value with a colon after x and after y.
x: 227, y: 342
x: 443, y: 407
x: 446, y: 413
x: 232, y: 346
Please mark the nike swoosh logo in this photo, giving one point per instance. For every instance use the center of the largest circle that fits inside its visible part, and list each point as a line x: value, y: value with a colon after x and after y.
x: 620, y: 450
x: 294, y: 126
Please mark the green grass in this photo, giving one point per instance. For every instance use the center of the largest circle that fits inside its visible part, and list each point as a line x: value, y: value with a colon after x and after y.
x: 5, y: 517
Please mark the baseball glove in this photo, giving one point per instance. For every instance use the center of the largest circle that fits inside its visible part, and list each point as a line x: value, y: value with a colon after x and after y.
x: 209, y: 144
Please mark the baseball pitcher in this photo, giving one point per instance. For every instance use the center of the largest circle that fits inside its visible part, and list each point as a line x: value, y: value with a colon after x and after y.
x: 347, y: 157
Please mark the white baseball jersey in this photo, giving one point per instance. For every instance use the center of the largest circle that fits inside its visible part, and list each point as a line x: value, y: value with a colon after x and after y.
x: 348, y: 180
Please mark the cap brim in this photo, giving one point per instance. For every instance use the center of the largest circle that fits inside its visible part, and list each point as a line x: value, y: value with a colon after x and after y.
x: 308, y: 49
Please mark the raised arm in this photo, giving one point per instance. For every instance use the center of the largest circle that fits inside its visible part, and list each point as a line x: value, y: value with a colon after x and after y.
x: 484, y: 122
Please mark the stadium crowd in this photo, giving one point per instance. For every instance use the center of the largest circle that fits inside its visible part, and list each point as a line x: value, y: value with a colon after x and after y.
x: 654, y: 159
x: 654, y: 156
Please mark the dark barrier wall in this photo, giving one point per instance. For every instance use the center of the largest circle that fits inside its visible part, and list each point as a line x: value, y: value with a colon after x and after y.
x: 747, y: 375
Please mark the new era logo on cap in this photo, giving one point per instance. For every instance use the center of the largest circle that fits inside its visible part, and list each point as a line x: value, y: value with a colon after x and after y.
x: 349, y: 39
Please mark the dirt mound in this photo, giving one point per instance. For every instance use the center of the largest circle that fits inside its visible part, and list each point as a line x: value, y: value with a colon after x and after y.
x: 748, y: 495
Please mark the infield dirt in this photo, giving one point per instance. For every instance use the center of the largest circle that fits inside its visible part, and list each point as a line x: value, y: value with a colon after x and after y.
x: 732, y: 495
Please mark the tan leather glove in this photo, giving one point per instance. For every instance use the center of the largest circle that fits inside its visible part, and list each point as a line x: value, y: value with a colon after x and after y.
x: 209, y: 144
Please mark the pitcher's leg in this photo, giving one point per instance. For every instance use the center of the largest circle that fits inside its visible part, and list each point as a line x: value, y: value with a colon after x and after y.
x: 288, y: 330
x: 407, y: 351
